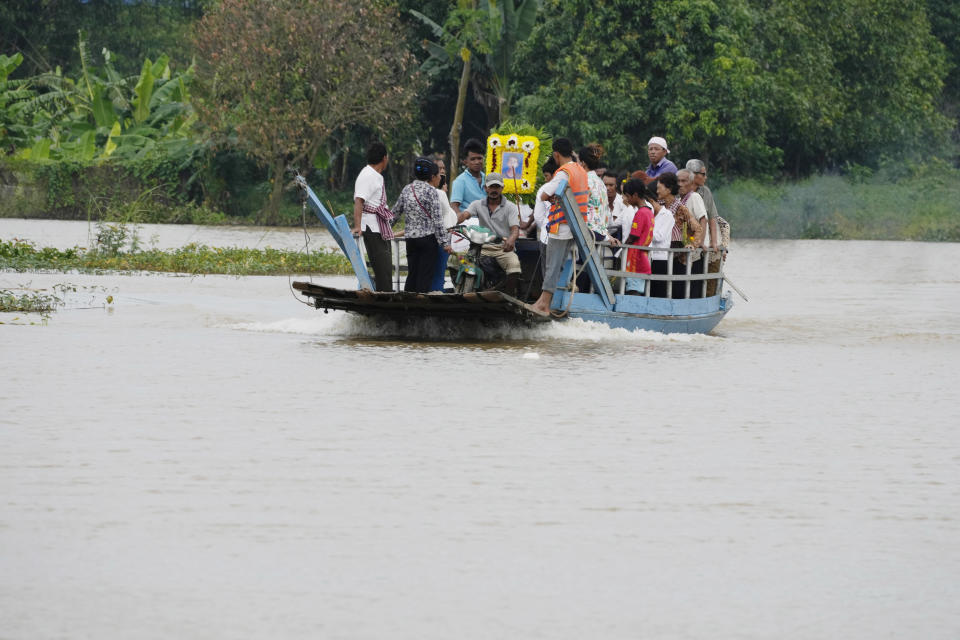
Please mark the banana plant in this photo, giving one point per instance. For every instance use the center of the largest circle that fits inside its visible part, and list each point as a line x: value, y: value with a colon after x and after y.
x: 102, y: 115
x: 14, y: 129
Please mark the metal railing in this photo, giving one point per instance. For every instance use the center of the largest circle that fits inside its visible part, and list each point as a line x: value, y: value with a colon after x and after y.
x: 612, y: 271
x: 607, y: 252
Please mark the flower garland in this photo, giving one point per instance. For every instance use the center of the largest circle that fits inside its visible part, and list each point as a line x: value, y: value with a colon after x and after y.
x: 516, y: 158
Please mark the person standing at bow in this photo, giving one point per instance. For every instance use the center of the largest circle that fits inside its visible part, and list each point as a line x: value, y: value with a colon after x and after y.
x: 560, y: 238
x: 372, y: 217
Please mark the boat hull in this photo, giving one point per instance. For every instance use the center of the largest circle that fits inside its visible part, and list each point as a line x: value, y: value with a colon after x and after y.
x: 629, y: 312
x: 662, y: 315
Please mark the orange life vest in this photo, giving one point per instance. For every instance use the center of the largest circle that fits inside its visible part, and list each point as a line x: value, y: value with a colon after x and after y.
x: 577, y: 179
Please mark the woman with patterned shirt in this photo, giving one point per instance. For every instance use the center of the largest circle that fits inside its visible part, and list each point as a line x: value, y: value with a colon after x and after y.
x: 424, y: 232
x: 686, y: 229
x: 598, y: 209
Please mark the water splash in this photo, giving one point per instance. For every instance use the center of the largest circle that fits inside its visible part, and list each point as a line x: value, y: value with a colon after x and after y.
x: 456, y: 330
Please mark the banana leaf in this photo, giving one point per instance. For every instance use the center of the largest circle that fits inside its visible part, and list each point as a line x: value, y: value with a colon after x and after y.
x: 111, y: 144
x: 143, y: 91
x: 102, y: 107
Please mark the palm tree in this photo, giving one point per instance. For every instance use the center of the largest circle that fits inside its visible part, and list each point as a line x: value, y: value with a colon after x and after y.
x: 492, y: 30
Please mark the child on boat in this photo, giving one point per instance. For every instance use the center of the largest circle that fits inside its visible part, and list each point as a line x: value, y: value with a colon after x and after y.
x: 640, y: 233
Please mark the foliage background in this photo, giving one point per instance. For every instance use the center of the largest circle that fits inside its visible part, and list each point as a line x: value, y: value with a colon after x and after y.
x: 818, y: 118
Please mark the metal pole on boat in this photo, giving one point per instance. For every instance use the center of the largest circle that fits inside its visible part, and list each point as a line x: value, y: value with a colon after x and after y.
x: 735, y: 287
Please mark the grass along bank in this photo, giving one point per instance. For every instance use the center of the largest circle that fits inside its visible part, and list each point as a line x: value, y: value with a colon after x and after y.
x: 17, y: 255
x: 900, y: 202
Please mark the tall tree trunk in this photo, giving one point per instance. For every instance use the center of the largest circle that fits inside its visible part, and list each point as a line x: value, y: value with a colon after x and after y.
x: 272, y: 210
x: 344, y: 166
x: 454, y: 167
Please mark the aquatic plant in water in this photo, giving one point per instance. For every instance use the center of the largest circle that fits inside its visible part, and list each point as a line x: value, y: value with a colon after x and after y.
x: 18, y: 255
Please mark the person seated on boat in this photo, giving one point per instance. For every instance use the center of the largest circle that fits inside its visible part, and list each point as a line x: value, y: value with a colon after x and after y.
x: 425, y: 233
x: 503, y: 218
x: 693, y: 202
x: 468, y: 187
x: 663, y: 222
x: 560, y: 240
x: 657, y: 152
x: 640, y: 233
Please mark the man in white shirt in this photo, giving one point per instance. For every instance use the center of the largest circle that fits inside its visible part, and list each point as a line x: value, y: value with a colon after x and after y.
x: 371, y: 216
x: 621, y: 214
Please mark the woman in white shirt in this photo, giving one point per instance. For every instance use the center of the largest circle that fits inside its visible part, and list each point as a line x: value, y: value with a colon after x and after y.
x: 663, y: 221
x: 449, y: 221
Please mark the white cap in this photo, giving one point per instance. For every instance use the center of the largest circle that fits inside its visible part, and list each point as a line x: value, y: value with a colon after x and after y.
x: 659, y: 141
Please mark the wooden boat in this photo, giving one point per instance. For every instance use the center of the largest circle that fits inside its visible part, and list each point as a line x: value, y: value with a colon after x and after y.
x: 600, y: 304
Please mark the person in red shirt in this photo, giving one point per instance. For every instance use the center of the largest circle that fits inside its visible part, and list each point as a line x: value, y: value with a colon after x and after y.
x: 641, y: 232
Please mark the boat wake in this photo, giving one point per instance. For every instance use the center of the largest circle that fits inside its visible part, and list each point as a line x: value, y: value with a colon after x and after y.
x: 460, y: 331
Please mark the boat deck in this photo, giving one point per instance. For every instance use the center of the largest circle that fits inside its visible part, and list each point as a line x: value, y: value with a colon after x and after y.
x: 480, y: 305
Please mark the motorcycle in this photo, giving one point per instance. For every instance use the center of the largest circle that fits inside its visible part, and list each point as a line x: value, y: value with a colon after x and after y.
x: 470, y: 274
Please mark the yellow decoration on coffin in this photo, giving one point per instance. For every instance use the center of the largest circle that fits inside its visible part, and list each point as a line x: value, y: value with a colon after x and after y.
x: 514, y: 149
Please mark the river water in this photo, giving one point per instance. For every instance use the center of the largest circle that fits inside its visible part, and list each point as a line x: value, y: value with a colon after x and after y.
x: 208, y: 458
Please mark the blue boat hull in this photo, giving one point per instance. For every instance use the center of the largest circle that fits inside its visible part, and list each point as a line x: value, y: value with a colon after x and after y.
x: 662, y: 315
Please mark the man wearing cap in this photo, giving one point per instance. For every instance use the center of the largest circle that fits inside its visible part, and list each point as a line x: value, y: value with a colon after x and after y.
x: 657, y: 151
x: 503, y: 218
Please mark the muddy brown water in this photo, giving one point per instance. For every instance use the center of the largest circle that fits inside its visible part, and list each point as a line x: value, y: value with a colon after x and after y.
x: 208, y: 458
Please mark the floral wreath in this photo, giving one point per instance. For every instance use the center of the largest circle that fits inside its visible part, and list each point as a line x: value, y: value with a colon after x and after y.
x: 512, y: 146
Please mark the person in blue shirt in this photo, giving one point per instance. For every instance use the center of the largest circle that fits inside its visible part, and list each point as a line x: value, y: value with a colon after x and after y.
x: 657, y: 152
x: 468, y: 186
x: 466, y: 189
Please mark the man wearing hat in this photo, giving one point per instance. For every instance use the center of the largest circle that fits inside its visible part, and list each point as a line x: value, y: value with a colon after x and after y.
x: 503, y: 218
x: 657, y: 152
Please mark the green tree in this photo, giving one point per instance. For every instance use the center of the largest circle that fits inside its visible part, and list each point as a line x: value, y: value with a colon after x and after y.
x: 945, y: 24
x: 43, y: 31
x: 748, y: 85
x: 870, y: 70
x: 480, y: 38
x: 277, y: 79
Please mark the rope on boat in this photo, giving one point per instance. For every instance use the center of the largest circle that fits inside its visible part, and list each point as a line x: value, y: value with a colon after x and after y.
x: 306, y: 242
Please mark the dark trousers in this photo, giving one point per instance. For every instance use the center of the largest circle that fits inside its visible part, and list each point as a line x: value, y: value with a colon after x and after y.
x: 696, y: 287
x: 658, y: 288
x: 679, y: 286
x: 381, y: 259
x: 421, y: 262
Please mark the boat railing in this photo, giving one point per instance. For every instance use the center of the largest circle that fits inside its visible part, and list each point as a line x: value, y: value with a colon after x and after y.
x: 612, y: 255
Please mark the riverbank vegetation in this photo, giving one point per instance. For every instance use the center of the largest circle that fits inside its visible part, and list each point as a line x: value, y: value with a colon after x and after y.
x: 817, y: 119
x: 194, y: 259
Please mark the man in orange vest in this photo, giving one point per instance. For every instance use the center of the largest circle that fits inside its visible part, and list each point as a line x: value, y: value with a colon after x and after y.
x: 560, y: 238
